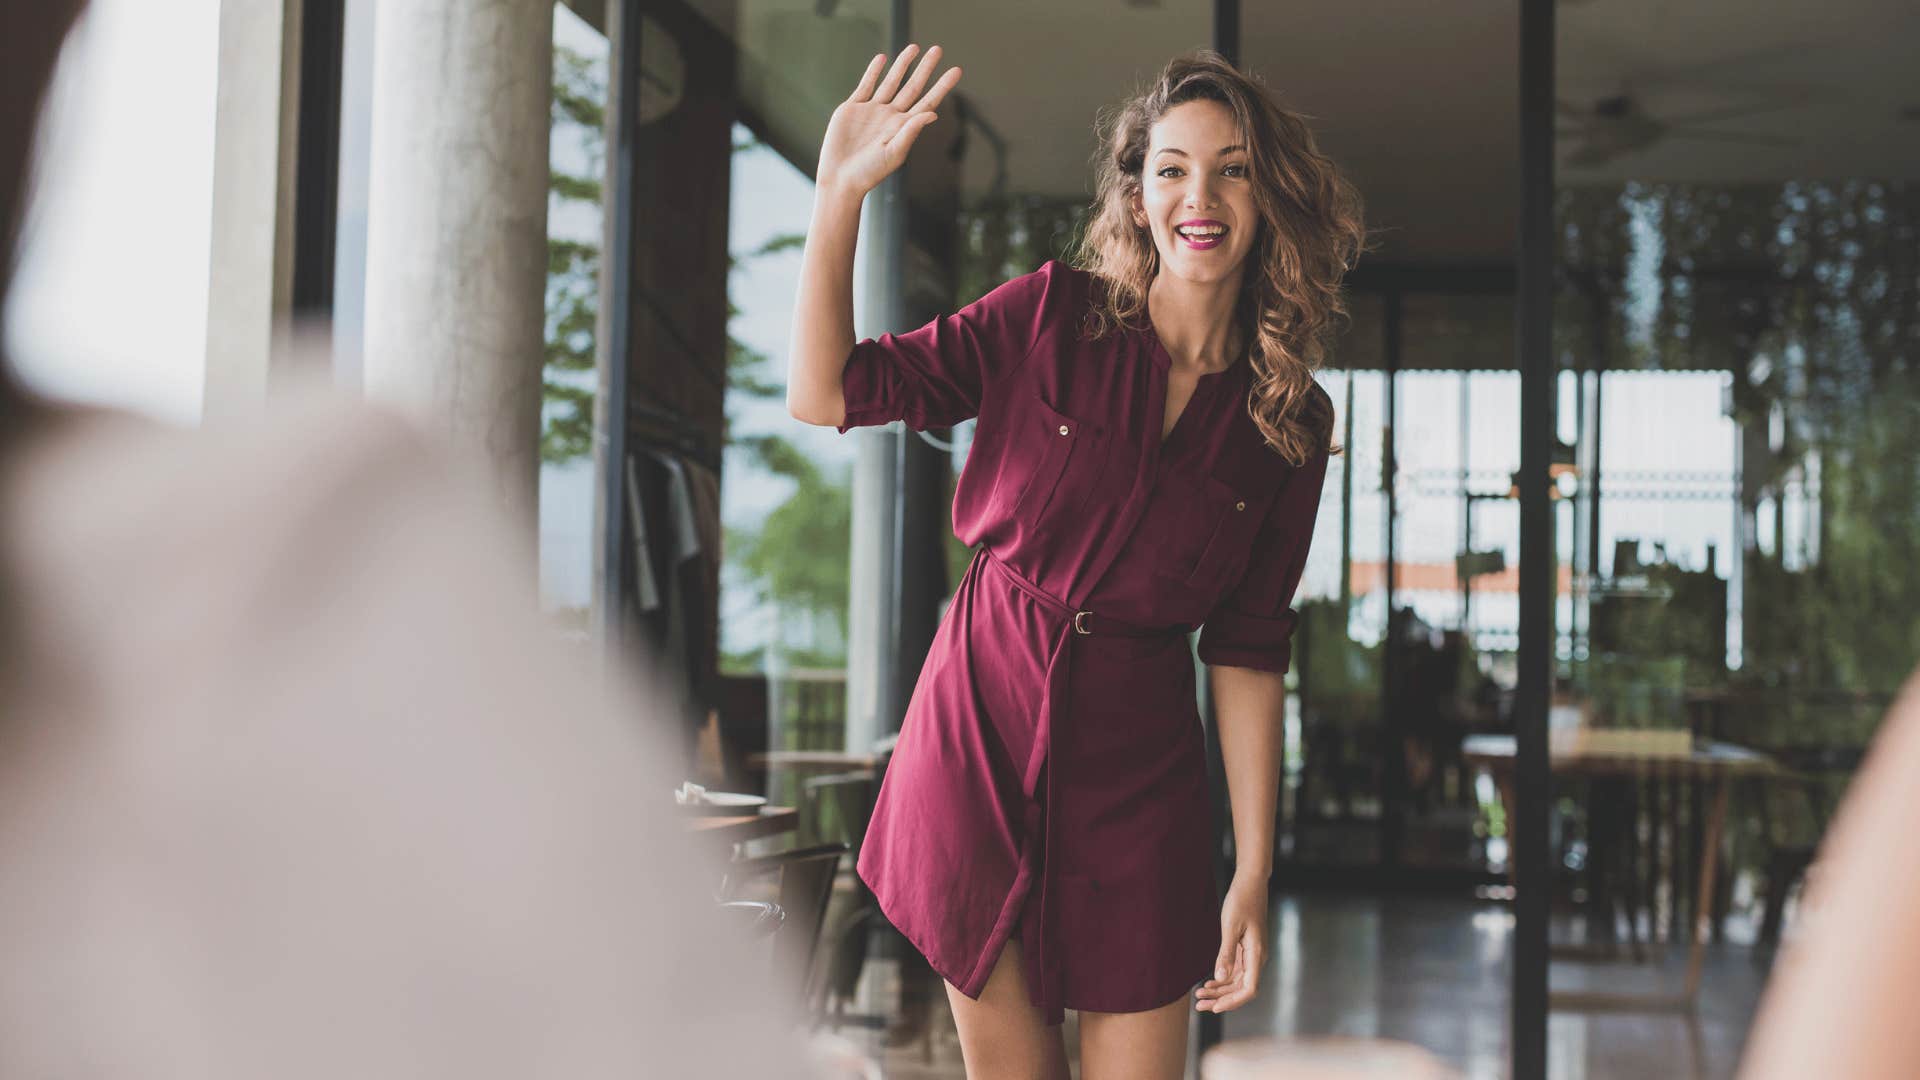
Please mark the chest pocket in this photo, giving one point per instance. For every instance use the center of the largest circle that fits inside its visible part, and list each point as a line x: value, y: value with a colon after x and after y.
x: 1047, y: 465
x: 1235, y: 514
x: 1205, y: 527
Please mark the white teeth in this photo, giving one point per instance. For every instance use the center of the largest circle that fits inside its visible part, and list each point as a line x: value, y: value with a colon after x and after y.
x: 1202, y: 230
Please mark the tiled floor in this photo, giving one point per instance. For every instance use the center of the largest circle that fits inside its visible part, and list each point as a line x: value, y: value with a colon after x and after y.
x: 1426, y: 971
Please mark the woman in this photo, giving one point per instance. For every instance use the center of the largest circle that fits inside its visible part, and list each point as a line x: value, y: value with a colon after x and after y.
x: 1149, y: 458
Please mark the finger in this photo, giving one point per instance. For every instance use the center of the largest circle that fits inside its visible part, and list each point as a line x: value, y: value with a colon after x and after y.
x: 1231, y: 997
x: 1241, y: 991
x: 865, y: 90
x: 1222, y: 964
x: 1223, y: 1000
x: 939, y: 92
x: 1228, y: 1004
x: 902, y: 140
x: 1212, y: 990
x: 921, y: 73
x: 1217, y: 988
x: 891, y: 84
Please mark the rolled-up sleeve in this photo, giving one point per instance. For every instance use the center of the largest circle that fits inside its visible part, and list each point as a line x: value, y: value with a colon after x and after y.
x: 935, y: 376
x: 1252, y: 624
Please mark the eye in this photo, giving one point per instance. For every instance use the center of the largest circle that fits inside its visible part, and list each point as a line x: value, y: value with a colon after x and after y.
x: 1164, y: 170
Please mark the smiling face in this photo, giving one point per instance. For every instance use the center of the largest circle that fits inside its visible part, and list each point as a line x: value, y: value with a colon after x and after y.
x: 1196, y: 194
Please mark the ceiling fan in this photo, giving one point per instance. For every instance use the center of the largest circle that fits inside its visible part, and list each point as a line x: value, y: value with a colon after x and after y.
x: 1618, y: 121
x: 1619, y: 124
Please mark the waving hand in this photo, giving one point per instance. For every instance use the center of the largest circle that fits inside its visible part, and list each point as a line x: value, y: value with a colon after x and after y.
x: 872, y: 130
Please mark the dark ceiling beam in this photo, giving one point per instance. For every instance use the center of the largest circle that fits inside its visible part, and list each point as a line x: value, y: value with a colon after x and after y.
x: 591, y: 12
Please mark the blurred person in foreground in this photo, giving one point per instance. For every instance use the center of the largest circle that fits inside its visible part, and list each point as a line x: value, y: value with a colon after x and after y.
x: 1841, y: 999
x: 293, y: 782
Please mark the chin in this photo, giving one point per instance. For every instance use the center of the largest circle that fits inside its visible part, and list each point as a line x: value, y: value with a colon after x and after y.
x: 1203, y: 270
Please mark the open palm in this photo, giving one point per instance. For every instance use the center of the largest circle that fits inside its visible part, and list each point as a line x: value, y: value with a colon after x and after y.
x: 871, y: 132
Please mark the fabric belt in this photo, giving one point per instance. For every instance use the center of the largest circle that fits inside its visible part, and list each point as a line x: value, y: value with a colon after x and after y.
x: 1043, y: 966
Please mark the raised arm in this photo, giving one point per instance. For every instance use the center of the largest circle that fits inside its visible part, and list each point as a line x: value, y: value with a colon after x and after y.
x: 866, y: 140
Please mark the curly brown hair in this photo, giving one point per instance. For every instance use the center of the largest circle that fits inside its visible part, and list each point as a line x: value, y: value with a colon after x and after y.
x: 1311, y: 233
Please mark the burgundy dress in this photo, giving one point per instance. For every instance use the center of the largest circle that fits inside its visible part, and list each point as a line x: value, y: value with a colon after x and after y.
x: 1050, y: 775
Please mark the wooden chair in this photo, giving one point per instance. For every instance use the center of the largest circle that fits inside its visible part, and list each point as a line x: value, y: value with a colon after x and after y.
x: 753, y: 918
x: 837, y: 806
x: 850, y: 796
x: 804, y: 883
x: 1818, y: 775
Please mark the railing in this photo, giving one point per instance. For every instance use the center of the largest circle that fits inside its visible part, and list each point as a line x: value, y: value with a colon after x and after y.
x: 813, y: 709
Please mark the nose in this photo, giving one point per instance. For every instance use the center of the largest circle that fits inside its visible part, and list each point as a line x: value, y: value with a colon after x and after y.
x: 1200, y: 192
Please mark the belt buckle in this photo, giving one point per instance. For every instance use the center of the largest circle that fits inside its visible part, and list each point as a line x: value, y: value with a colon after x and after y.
x: 1079, y: 626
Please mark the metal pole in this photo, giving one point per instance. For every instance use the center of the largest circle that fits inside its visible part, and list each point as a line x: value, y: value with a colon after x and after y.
x: 317, y: 177
x: 616, y: 337
x: 1346, y: 506
x: 1466, y: 498
x: 873, y: 699
x: 1393, y: 771
x: 1534, y: 316
x: 1591, y: 485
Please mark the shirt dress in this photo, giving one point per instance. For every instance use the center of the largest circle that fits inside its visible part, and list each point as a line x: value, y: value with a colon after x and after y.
x: 1050, y: 775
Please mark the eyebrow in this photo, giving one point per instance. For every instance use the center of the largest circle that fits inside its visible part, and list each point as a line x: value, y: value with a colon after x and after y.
x: 1171, y: 150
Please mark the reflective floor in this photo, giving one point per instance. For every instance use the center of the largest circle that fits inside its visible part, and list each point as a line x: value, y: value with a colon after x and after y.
x: 1426, y: 971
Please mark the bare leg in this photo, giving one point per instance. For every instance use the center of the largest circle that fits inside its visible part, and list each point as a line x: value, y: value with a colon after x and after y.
x: 1149, y: 1045
x: 1002, y: 1035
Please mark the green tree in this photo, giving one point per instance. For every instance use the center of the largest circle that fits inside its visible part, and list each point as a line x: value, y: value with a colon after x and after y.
x: 797, y: 558
x: 1808, y: 294
x: 573, y: 266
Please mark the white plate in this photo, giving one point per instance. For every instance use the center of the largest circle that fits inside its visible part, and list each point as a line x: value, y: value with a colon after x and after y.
x: 724, y: 802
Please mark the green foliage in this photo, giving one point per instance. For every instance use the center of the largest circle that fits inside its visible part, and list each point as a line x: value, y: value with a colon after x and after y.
x: 579, y: 90
x: 573, y: 266
x: 1328, y: 660
x: 1011, y: 236
x: 1851, y: 618
x: 796, y: 559
x: 1808, y: 294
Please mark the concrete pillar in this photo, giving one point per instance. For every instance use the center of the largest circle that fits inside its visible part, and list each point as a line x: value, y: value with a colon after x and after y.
x: 457, y: 225
x: 255, y: 154
x: 873, y: 696
x: 873, y: 543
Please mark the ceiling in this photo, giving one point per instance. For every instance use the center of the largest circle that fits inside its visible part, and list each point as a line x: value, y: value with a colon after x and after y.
x: 1417, y: 101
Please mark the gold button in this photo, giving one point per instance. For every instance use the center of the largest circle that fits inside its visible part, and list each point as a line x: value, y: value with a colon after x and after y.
x: 1063, y: 429
x: 1241, y: 505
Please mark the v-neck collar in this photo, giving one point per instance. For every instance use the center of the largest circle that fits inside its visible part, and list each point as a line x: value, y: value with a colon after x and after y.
x: 1162, y: 359
x: 1163, y: 364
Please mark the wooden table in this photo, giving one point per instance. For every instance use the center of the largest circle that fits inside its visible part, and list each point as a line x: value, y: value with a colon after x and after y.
x: 819, y: 764
x: 1715, y: 763
x: 738, y: 829
x: 813, y: 760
